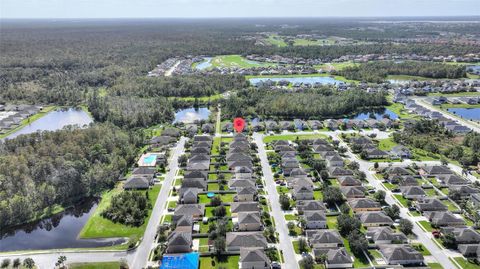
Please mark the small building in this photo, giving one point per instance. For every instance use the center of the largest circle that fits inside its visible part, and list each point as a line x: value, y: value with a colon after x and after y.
x: 430, y: 204
x: 364, y: 204
x: 402, y: 255
x: 237, y: 240
x: 249, y: 221
x: 315, y: 219
x: 385, y: 235
x: 137, y: 183
x: 336, y: 258
x: 324, y: 238
x: 374, y: 219
x: 253, y: 258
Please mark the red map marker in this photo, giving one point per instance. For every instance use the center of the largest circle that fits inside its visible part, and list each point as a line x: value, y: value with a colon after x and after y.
x: 238, y: 124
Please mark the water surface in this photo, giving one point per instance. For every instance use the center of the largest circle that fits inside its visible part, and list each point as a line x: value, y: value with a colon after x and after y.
x: 376, y: 114
x: 56, y: 232
x: 55, y: 120
x: 466, y: 113
x: 293, y: 80
x: 190, y: 115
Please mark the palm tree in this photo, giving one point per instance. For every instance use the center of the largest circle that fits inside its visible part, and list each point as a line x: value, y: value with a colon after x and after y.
x: 29, y: 263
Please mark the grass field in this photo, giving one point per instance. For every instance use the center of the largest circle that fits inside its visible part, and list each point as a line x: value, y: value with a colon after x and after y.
x: 400, y: 111
x: 311, y: 42
x: 426, y: 225
x: 229, y: 61
x: 435, y: 266
x: 223, y: 262
x: 401, y: 199
x: 466, y: 264
x: 292, y: 137
x: 99, y: 227
x: 386, y: 144
x: 276, y: 40
x: 406, y: 77
x: 421, y: 248
x: 94, y: 265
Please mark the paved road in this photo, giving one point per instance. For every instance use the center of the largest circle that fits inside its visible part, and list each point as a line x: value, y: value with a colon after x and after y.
x: 423, y: 237
x: 138, y: 257
x: 141, y: 254
x: 170, y: 71
x: 471, y: 125
x: 280, y: 223
x: 218, y: 123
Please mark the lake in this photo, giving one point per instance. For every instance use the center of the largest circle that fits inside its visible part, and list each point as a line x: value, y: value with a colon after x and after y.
x: 206, y: 63
x: 56, y: 232
x: 293, y: 80
x: 377, y: 113
x: 55, y: 120
x: 190, y: 115
x: 466, y: 113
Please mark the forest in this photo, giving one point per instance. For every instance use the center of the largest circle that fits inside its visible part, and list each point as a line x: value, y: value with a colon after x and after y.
x: 379, y: 70
x: 318, y: 104
x: 428, y: 135
x: 42, y: 170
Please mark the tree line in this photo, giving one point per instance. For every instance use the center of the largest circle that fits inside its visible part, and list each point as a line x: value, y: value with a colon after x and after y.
x: 306, y: 104
x: 379, y: 70
x: 41, y: 170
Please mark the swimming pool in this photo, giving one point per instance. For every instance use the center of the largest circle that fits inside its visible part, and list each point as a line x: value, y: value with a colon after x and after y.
x: 150, y: 159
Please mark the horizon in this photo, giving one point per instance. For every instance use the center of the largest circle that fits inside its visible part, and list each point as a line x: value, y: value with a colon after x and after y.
x: 209, y: 9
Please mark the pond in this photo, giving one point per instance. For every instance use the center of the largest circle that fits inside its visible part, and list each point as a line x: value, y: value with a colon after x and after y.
x: 466, y: 113
x: 55, y: 120
x: 56, y: 232
x: 206, y: 63
x: 377, y: 114
x: 294, y: 80
x: 190, y: 115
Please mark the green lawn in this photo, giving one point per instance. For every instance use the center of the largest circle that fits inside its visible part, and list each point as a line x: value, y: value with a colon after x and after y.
x: 223, y: 262
x: 213, y: 187
x: 431, y: 192
x: 400, y: 110
x: 94, y: 265
x: 229, y: 61
x: 466, y: 264
x: 172, y: 204
x: 289, y: 217
x: 282, y: 189
x: 451, y: 206
x: 401, y: 199
x: 406, y: 77
x: 426, y: 225
x: 331, y: 222
x: 276, y: 40
x: 292, y: 137
x: 435, y: 266
x: 296, y: 247
x: 99, y: 227
x: 421, y: 248
x: 390, y: 186
x: 209, y: 211
x: 358, y: 262
x: 386, y: 144
x: 318, y: 195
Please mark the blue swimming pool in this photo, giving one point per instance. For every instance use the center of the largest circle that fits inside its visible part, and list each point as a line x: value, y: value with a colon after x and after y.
x: 150, y: 159
x: 210, y: 194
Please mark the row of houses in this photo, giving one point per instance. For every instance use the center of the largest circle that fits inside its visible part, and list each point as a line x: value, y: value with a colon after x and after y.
x: 11, y: 116
x: 300, y: 125
x: 448, y: 124
x: 369, y: 150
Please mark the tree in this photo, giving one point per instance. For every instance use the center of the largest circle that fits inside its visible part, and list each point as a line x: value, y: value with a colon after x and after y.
x: 376, y: 165
x: 321, y: 258
x: 5, y: 263
x: 392, y: 211
x: 29, y: 263
x: 183, y: 160
x: 16, y: 263
x: 124, y: 263
x: 284, y: 202
x: 61, y: 261
x: 353, y: 165
x: 345, y: 209
x: 379, y: 196
x: 220, y: 211
x: 358, y: 243
x: 332, y: 195
x: 219, y: 245
x: 215, y: 201
x: 405, y: 226
x: 449, y: 240
x: 346, y: 224
x: 302, y: 245
x: 307, y: 262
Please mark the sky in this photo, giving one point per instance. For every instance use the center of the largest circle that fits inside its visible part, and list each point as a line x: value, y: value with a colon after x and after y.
x: 234, y: 8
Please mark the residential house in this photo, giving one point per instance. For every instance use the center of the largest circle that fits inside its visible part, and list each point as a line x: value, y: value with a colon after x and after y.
x: 302, y: 192
x: 339, y: 171
x: 237, y: 240
x: 431, y: 204
x: 385, y: 235
x: 137, y: 183
x: 246, y: 194
x: 452, y: 179
x: 194, y: 210
x: 179, y: 242
x: 401, y: 152
x: 349, y: 181
x: 435, y: 170
x: 238, y: 207
x: 444, y: 218
x: 253, y: 258
x: 189, y: 195
x: 364, y: 204
x: 353, y: 191
x: 336, y: 258
x: 413, y: 192
x: 315, y: 219
x: 402, y: 255
x: 334, y: 160
x: 249, y: 221
x: 310, y: 205
x: 374, y: 219
x: 324, y: 238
